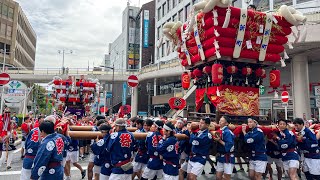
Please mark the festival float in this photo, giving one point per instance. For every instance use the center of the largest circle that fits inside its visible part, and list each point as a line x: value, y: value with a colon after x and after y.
x: 75, y: 95
x: 226, y: 51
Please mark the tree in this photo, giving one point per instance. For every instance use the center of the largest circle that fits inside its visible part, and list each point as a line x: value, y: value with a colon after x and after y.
x: 39, y: 98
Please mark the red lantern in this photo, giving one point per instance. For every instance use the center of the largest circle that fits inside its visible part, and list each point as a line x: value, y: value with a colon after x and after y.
x: 232, y: 70
x: 185, y: 80
x: 246, y: 71
x: 192, y: 75
x: 217, y: 75
x: 260, y: 73
x: 197, y: 73
x: 207, y: 71
x: 275, y: 80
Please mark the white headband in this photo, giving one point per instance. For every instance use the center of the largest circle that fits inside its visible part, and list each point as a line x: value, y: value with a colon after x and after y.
x: 122, y: 124
x: 157, y: 125
x: 167, y: 128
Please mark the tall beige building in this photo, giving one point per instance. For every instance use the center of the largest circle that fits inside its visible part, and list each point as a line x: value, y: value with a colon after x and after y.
x: 16, y: 36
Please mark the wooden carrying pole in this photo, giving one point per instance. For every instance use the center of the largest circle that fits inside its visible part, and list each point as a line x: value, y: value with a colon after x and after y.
x: 95, y: 134
x: 89, y: 128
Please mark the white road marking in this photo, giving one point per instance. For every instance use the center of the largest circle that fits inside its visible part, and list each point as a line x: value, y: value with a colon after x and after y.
x: 17, y: 150
x: 6, y: 173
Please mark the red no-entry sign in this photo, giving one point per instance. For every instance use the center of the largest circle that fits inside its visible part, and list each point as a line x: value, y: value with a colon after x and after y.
x: 4, y: 78
x: 285, y: 97
x: 133, y: 81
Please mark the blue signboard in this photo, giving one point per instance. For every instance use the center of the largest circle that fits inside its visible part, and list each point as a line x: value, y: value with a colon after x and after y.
x: 146, y: 29
x: 124, y: 93
x: 109, y: 95
x: 143, y: 113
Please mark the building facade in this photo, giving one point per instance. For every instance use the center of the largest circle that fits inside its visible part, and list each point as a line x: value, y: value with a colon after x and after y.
x: 124, y: 51
x: 166, y: 11
x: 17, y: 36
x: 133, y: 49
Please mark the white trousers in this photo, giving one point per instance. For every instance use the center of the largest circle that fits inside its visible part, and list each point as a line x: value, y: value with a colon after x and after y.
x: 25, y: 174
x: 4, y: 158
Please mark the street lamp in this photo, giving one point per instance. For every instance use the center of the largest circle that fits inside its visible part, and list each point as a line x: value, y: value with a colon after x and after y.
x: 63, y: 52
x: 111, y: 109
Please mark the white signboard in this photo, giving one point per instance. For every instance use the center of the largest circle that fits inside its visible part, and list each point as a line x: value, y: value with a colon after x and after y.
x: 132, y: 35
x: 318, y: 102
x: 15, y: 91
x: 317, y: 90
x: 13, y: 105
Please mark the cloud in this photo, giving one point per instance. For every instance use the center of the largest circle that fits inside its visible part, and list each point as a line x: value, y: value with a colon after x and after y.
x: 83, y: 26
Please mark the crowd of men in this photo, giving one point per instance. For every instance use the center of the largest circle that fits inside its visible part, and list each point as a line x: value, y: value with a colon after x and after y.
x: 48, y: 151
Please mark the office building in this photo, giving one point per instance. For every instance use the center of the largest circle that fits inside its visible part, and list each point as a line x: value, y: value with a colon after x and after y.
x: 134, y: 47
x: 17, y: 36
x: 124, y: 51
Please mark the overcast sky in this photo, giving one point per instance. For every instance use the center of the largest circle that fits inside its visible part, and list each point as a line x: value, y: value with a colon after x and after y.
x: 84, y: 26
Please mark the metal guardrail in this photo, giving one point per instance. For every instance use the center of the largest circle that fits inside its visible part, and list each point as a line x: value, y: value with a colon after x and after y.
x: 71, y: 72
x: 84, y: 71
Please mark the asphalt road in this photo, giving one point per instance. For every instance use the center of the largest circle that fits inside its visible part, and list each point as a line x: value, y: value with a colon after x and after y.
x: 14, y: 173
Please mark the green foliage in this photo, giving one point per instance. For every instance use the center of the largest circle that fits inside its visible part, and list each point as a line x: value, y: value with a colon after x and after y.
x: 19, y: 116
x: 40, y: 95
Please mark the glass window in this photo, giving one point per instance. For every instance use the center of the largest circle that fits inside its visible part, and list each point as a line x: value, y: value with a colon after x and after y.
x: 3, y: 30
x: 164, y: 9
x: 158, y: 51
x: 162, y: 49
x: 174, y: 3
x: 132, y: 23
x: 302, y: 1
x: 10, y: 13
x: 278, y: 3
x: 261, y: 5
x: 9, y: 31
x: 158, y: 32
x: 4, y: 10
x: 169, y: 5
x: 180, y: 15
x: 187, y: 11
x: 174, y: 18
x: 130, y: 12
x: 159, y: 13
